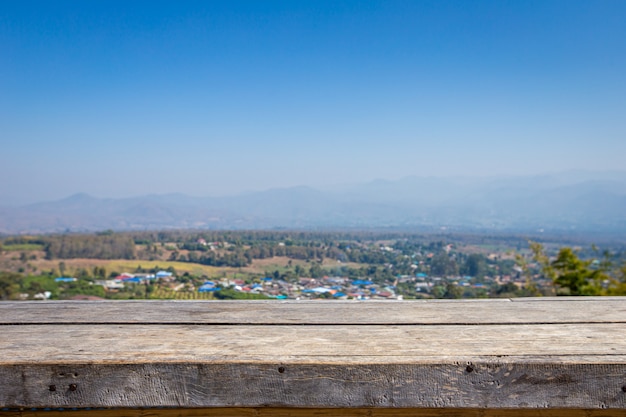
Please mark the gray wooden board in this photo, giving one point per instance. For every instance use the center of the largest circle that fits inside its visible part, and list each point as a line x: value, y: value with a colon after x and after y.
x: 317, y: 412
x: 327, y: 355
x: 491, y: 384
x: 505, y: 311
x: 157, y: 343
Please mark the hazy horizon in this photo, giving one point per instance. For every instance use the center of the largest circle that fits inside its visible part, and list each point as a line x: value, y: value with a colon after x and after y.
x: 619, y: 175
x: 119, y: 99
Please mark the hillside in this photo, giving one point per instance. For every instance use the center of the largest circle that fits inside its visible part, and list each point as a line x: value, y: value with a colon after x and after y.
x: 575, y: 202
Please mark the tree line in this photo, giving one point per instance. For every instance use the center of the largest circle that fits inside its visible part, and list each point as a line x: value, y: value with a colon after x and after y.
x: 101, y: 246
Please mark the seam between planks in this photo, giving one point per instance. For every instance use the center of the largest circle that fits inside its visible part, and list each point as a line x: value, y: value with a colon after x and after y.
x: 361, y: 324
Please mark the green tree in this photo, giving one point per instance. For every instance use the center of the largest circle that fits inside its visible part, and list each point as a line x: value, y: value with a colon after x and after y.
x: 506, y: 290
x: 442, y: 265
x: 316, y: 270
x: 453, y: 291
x: 450, y: 291
x: 9, y: 285
x: 576, y: 274
x: 62, y: 268
x: 618, y: 285
x: 530, y: 289
x: 299, y: 271
x: 475, y: 266
x: 438, y: 291
x: 99, y: 272
x: 570, y: 272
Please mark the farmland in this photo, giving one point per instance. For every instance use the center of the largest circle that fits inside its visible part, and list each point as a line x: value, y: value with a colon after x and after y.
x: 213, y: 265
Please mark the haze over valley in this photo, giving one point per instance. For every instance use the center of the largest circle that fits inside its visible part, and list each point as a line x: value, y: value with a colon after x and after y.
x: 572, y: 202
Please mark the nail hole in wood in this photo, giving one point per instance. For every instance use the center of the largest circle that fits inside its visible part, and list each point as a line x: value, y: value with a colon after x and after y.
x: 281, y: 369
x: 72, y: 387
x: 52, y: 388
x: 469, y: 368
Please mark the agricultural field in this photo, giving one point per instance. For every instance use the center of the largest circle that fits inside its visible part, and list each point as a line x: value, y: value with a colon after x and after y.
x: 284, y: 263
x: 27, y: 247
x: 121, y: 265
x: 162, y: 293
x: 33, y: 261
x: 246, y: 265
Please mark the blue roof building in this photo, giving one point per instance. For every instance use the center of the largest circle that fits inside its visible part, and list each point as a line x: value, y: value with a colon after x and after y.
x: 207, y: 288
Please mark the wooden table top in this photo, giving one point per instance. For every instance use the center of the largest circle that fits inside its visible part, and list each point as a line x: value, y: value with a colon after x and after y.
x: 546, y: 353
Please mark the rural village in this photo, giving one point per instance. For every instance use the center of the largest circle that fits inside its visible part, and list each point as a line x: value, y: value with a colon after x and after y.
x: 268, y: 265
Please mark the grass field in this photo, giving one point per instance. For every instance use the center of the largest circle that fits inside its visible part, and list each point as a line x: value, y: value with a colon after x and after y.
x: 116, y: 265
x: 268, y: 265
x: 161, y: 293
x: 9, y: 261
x: 259, y: 266
x: 121, y: 265
x: 22, y: 247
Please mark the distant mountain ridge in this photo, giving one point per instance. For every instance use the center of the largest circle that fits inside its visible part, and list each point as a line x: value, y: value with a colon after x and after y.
x: 574, y: 201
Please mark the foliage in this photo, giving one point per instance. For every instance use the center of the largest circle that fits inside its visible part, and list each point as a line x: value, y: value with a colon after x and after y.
x: 32, y: 285
x: 100, y: 246
x: 23, y: 247
x: 443, y: 265
x: 448, y: 290
x: 617, y: 285
x: 465, y: 267
x: 9, y: 286
x: 577, y: 276
x: 161, y: 293
x: 230, y: 294
x: 475, y: 266
x: 82, y: 287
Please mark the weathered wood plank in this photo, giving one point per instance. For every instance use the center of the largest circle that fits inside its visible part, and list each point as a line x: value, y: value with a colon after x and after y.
x: 522, y: 366
x: 335, y: 344
x: 425, y: 358
x: 528, y: 311
x: 488, y: 385
x: 316, y: 412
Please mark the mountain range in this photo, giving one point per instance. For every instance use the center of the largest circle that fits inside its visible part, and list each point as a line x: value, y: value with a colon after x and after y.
x: 574, y: 201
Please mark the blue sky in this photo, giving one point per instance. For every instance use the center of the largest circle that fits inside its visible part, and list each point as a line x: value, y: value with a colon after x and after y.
x: 210, y: 98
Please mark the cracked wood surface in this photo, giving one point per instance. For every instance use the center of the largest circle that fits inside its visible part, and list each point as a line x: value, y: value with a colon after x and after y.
x: 547, y: 354
x: 319, y: 412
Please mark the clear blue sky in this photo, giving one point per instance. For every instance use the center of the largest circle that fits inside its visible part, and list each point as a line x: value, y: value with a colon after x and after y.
x: 211, y: 98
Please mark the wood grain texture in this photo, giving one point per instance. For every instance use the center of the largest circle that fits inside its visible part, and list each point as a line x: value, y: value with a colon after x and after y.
x: 316, y: 412
x: 506, y: 311
x: 306, y: 344
x: 409, y: 357
x: 489, y: 385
